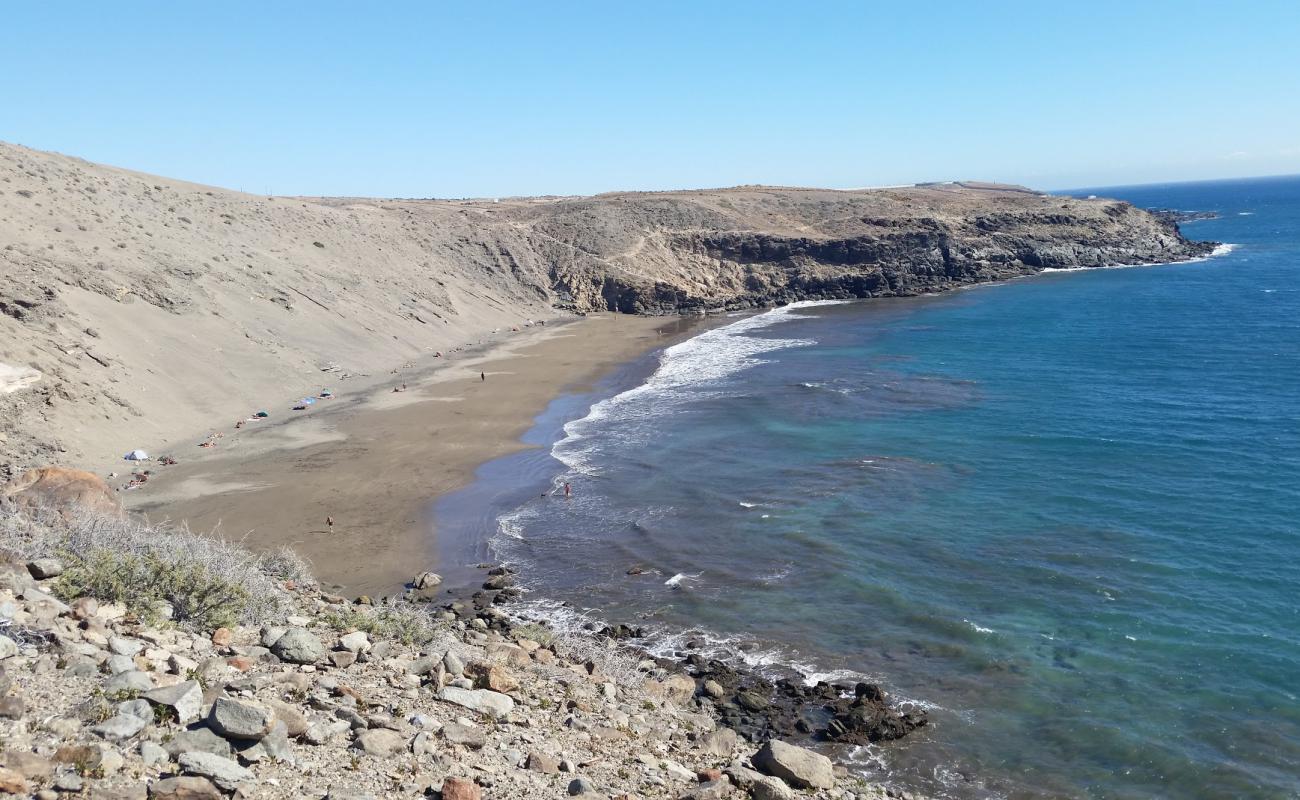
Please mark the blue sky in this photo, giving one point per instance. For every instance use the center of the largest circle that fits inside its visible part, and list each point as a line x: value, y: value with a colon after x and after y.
x: 501, y: 98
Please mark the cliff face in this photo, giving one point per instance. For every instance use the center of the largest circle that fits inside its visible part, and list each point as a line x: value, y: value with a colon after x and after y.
x: 151, y: 305
x: 750, y: 247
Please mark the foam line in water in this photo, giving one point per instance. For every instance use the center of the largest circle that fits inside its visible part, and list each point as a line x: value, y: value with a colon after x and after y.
x: 1219, y: 250
x: 662, y: 642
x: 685, y: 373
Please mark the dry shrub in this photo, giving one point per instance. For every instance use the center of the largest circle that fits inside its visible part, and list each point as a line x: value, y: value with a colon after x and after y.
x: 156, y: 571
x: 407, y: 623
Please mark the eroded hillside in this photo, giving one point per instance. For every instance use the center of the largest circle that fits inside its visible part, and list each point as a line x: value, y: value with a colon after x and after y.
x: 151, y: 306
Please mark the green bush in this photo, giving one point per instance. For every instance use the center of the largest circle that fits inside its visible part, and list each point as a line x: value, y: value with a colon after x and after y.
x: 145, y: 582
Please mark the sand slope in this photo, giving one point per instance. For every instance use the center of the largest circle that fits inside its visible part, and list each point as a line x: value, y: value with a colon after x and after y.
x: 155, y: 308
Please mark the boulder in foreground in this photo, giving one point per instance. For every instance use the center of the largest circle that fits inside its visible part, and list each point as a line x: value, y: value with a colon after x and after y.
x: 62, y: 490
x: 802, y: 769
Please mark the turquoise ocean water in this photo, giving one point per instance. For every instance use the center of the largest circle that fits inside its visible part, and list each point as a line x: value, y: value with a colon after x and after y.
x: 1063, y: 513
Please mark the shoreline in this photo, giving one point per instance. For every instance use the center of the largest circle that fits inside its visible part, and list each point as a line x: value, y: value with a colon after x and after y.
x: 377, y: 462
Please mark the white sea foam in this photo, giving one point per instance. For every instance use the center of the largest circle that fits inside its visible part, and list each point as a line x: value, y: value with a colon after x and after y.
x: 978, y: 628
x: 677, y: 580
x: 686, y: 371
x: 662, y: 642
x: 1219, y: 250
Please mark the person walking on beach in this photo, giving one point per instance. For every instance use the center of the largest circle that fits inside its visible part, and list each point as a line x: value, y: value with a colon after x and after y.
x: 482, y: 376
x: 568, y: 490
x: 329, y: 522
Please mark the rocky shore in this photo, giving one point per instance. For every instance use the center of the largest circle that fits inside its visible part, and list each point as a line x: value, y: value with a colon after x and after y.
x: 114, y: 689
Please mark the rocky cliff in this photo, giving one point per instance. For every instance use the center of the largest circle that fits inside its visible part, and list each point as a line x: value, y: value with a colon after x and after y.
x: 754, y: 246
x: 143, y: 306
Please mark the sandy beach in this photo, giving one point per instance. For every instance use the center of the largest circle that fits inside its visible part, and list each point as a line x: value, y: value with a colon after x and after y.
x: 374, y: 462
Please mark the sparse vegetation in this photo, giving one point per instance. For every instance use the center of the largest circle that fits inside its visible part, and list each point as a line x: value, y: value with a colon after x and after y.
x: 535, y: 632
x: 403, y: 622
x: 157, y: 572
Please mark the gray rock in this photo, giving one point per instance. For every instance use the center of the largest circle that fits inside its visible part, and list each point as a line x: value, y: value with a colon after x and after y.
x: 8, y: 647
x: 137, y: 708
x: 68, y: 782
x: 35, y: 597
x: 355, y: 642
x: 43, y: 568
x: 423, y: 666
x: 299, y: 646
x: 270, y: 634
x: 123, y: 646
x: 710, y: 790
x: 12, y: 707
x: 131, y: 681
x: 540, y: 762
x: 352, y: 718
x: 274, y: 745
x: 185, y: 787
x: 423, y: 744
x: 453, y: 664
x: 116, y: 665
x: 427, y: 580
x: 153, y: 753
x: 199, y: 740
x: 802, y: 769
x: 319, y: 733
x: 380, y: 742
x: 580, y: 786
x: 226, y: 774
x: 185, y: 699
x: 758, y: 785
x: 122, y: 726
x: 236, y: 720
x: 80, y: 666
x: 484, y: 701
x: 719, y: 743
x: 342, y: 659
x: 466, y: 735
x: 768, y: 788
x: 294, y: 720
x: 423, y: 721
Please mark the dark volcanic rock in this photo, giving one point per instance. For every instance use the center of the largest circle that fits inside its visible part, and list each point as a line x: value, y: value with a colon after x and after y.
x: 762, y: 709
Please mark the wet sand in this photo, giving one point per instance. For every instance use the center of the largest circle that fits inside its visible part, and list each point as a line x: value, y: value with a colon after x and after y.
x: 374, y: 462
